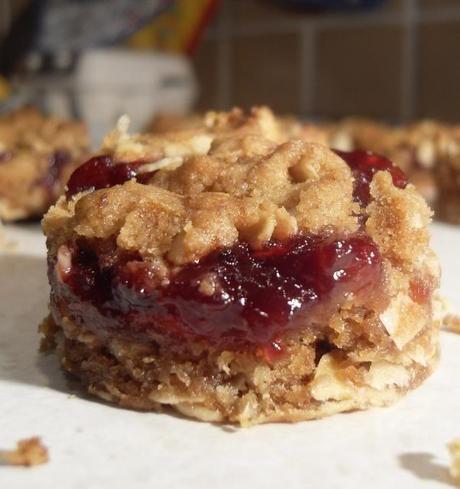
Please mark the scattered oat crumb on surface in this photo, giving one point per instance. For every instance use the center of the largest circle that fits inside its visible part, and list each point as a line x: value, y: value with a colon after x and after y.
x: 454, y: 469
x: 27, y: 453
x: 451, y: 323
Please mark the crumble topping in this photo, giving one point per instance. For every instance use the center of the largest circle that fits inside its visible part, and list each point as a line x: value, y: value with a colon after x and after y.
x: 427, y: 151
x: 227, y: 132
x: 211, y: 202
x: 398, y: 221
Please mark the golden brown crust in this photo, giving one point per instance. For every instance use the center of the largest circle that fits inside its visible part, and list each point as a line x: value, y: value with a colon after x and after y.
x: 37, y: 156
x: 242, y: 388
x: 398, y: 221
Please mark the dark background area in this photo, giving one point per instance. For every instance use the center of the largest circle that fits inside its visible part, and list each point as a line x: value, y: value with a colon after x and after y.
x: 397, y: 62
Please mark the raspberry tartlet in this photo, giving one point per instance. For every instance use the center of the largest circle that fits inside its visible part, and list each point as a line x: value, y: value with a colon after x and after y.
x: 37, y: 156
x: 250, y: 283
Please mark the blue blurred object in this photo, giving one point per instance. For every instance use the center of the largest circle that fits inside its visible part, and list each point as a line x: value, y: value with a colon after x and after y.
x: 333, y: 4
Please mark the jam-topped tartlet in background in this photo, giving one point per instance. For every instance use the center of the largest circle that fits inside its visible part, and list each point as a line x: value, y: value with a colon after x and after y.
x: 239, y: 279
x: 37, y: 155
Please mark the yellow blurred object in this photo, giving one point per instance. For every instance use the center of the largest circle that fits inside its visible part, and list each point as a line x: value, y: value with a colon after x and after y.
x: 4, y: 88
x: 178, y: 30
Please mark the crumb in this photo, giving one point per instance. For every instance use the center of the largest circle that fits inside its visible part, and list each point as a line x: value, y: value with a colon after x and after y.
x: 451, y: 323
x: 28, y: 452
x: 454, y: 450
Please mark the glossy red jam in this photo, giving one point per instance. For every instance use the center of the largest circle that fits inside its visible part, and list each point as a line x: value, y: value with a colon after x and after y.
x: 233, y: 298
x: 364, y: 166
x: 100, y: 172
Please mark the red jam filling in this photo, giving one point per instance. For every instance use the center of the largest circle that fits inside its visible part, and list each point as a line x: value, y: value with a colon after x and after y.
x: 364, y: 165
x: 233, y: 298
x: 101, y: 172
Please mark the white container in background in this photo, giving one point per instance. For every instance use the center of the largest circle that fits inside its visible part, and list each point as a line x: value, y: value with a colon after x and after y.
x: 110, y: 82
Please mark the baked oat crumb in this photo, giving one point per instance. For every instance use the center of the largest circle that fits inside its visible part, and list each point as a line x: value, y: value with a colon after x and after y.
x: 451, y: 322
x: 28, y: 452
x: 48, y: 330
x: 454, y: 469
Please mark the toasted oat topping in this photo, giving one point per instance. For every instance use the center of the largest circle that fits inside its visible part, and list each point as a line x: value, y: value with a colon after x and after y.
x: 28, y: 452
